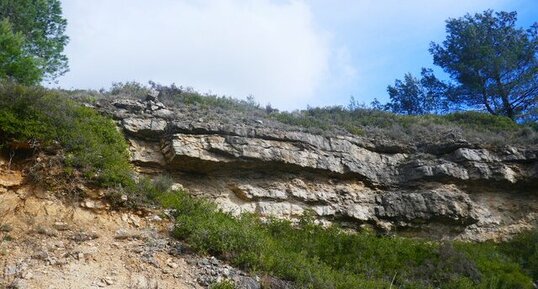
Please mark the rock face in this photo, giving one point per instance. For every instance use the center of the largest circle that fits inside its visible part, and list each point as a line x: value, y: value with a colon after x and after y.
x: 454, y: 189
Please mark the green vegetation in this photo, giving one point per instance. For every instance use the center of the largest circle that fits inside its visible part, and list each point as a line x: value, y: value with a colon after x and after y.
x: 493, y: 66
x: 223, y: 285
x: 472, y: 125
x: 524, y: 248
x: 141, y: 192
x: 414, y: 96
x: 31, y: 44
x: 40, y: 30
x: 316, y: 257
x: 173, y: 95
x: 493, y: 63
x: 306, y: 254
x: 15, y: 64
x: 93, y: 145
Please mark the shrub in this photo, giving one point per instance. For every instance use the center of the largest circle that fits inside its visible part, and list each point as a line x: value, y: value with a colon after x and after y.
x: 336, y: 120
x: 223, y: 285
x: 141, y: 192
x: 473, y: 126
x: 92, y: 143
x: 129, y: 89
x: 482, y: 121
x: 177, y: 96
x: 316, y: 257
x: 524, y: 249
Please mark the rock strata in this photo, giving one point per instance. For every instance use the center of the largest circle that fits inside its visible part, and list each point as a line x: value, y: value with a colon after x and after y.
x: 454, y: 189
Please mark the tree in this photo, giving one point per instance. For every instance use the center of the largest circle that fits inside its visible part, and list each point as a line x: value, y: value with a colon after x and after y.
x: 15, y: 63
x: 416, y: 96
x: 493, y: 63
x: 42, y: 26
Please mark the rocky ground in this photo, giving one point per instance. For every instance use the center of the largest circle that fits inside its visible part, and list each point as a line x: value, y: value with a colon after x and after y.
x: 47, y: 243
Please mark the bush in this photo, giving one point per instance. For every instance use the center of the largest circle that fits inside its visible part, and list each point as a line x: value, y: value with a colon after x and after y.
x: 498, y: 269
x: 316, y: 257
x: 140, y: 192
x: 177, y: 96
x: 474, y: 126
x: 129, y: 89
x: 93, y: 144
x: 524, y: 249
x: 222, y: 285
x: 482, y: 121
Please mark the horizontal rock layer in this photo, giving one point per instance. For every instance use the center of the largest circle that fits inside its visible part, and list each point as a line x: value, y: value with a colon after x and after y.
x: 250, y: 165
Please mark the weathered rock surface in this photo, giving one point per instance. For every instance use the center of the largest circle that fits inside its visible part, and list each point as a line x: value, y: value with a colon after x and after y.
x: 452, y: 189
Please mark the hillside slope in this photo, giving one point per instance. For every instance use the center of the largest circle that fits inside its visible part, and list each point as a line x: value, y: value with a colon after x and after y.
x: 48, y: 241
x: 67, y: 186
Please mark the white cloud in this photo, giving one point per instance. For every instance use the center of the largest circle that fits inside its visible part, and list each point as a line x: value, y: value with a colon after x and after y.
x: 271, y: 50
x: 287, y: 52
x: 386, y: 39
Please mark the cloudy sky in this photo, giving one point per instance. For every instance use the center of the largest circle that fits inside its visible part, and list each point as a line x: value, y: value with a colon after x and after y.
x: 287, y: 53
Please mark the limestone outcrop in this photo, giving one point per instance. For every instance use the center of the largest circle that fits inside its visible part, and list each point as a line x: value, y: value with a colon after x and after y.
x: 453, y: 189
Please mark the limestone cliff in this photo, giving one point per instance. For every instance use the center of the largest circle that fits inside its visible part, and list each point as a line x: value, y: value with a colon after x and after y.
x: 451, y: 189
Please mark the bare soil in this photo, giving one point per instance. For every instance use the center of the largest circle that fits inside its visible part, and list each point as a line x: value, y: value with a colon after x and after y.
x: 49, y: 243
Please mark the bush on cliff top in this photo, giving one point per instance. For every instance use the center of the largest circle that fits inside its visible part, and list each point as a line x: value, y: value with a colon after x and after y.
x: 471, y: 125
x: 93, y: 144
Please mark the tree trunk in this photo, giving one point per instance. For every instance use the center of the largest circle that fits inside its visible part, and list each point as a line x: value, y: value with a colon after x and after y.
x: 507, y: 107
x: 486, y: 102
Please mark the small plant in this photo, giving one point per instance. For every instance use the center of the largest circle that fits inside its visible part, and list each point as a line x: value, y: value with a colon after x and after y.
x: 131, y: 89
x: 140, y: 192
x: 226, y: 284
x: 5, y: 228
x: 7, y: 238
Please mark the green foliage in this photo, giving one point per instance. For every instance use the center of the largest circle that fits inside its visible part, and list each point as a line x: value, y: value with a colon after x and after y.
x: 129, y: 89
x: 188, y: 96
x: 100, y: 151
x: 493, y: 63
x: 223, y: 285
x: 524, y: 249
x: 92, y: 143
x: 474, y: 126
x: 493, y: 66
x: 42, y: 26
x: 140, y: 192
x: 356, y: 120
x: 482, y: 121
x: 414, y: 96
x: 498, y: 268
x: 316, y: 257
x: 15, y: 63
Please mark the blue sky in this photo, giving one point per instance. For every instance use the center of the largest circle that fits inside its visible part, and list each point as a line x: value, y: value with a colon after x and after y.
x: 287, y: 53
